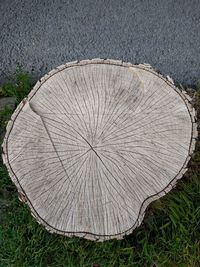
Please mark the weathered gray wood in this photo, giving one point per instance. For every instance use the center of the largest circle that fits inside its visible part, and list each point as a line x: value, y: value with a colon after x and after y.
x: 95, y: 142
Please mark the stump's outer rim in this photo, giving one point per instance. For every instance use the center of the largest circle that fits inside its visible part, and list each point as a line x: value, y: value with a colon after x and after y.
x: 147, y: 201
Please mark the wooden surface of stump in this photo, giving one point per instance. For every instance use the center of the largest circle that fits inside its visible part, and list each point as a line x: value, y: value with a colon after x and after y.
x: 95, y: 142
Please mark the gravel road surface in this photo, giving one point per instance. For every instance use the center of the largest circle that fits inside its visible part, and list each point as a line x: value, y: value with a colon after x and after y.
x: 41, y: 35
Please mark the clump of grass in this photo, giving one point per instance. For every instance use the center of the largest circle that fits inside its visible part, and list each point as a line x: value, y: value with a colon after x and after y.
x: 4, y: 118
x: 169, y: 235
x: 19, y: 86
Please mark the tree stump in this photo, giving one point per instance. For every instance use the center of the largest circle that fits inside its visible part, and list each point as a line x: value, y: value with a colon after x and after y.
x: 95, y: 142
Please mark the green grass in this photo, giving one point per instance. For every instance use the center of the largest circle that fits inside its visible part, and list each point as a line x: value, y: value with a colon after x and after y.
x: 169, y: 236
x: 19, y: 86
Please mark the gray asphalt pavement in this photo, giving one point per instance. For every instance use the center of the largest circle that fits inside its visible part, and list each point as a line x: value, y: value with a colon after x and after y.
x: 41, y: 35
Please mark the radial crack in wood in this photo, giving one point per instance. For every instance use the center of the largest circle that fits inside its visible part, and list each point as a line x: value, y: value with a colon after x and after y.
x: 95, y: 142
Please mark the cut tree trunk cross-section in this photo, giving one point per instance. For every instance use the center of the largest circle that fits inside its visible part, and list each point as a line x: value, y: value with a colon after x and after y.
x: 95, y: 142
